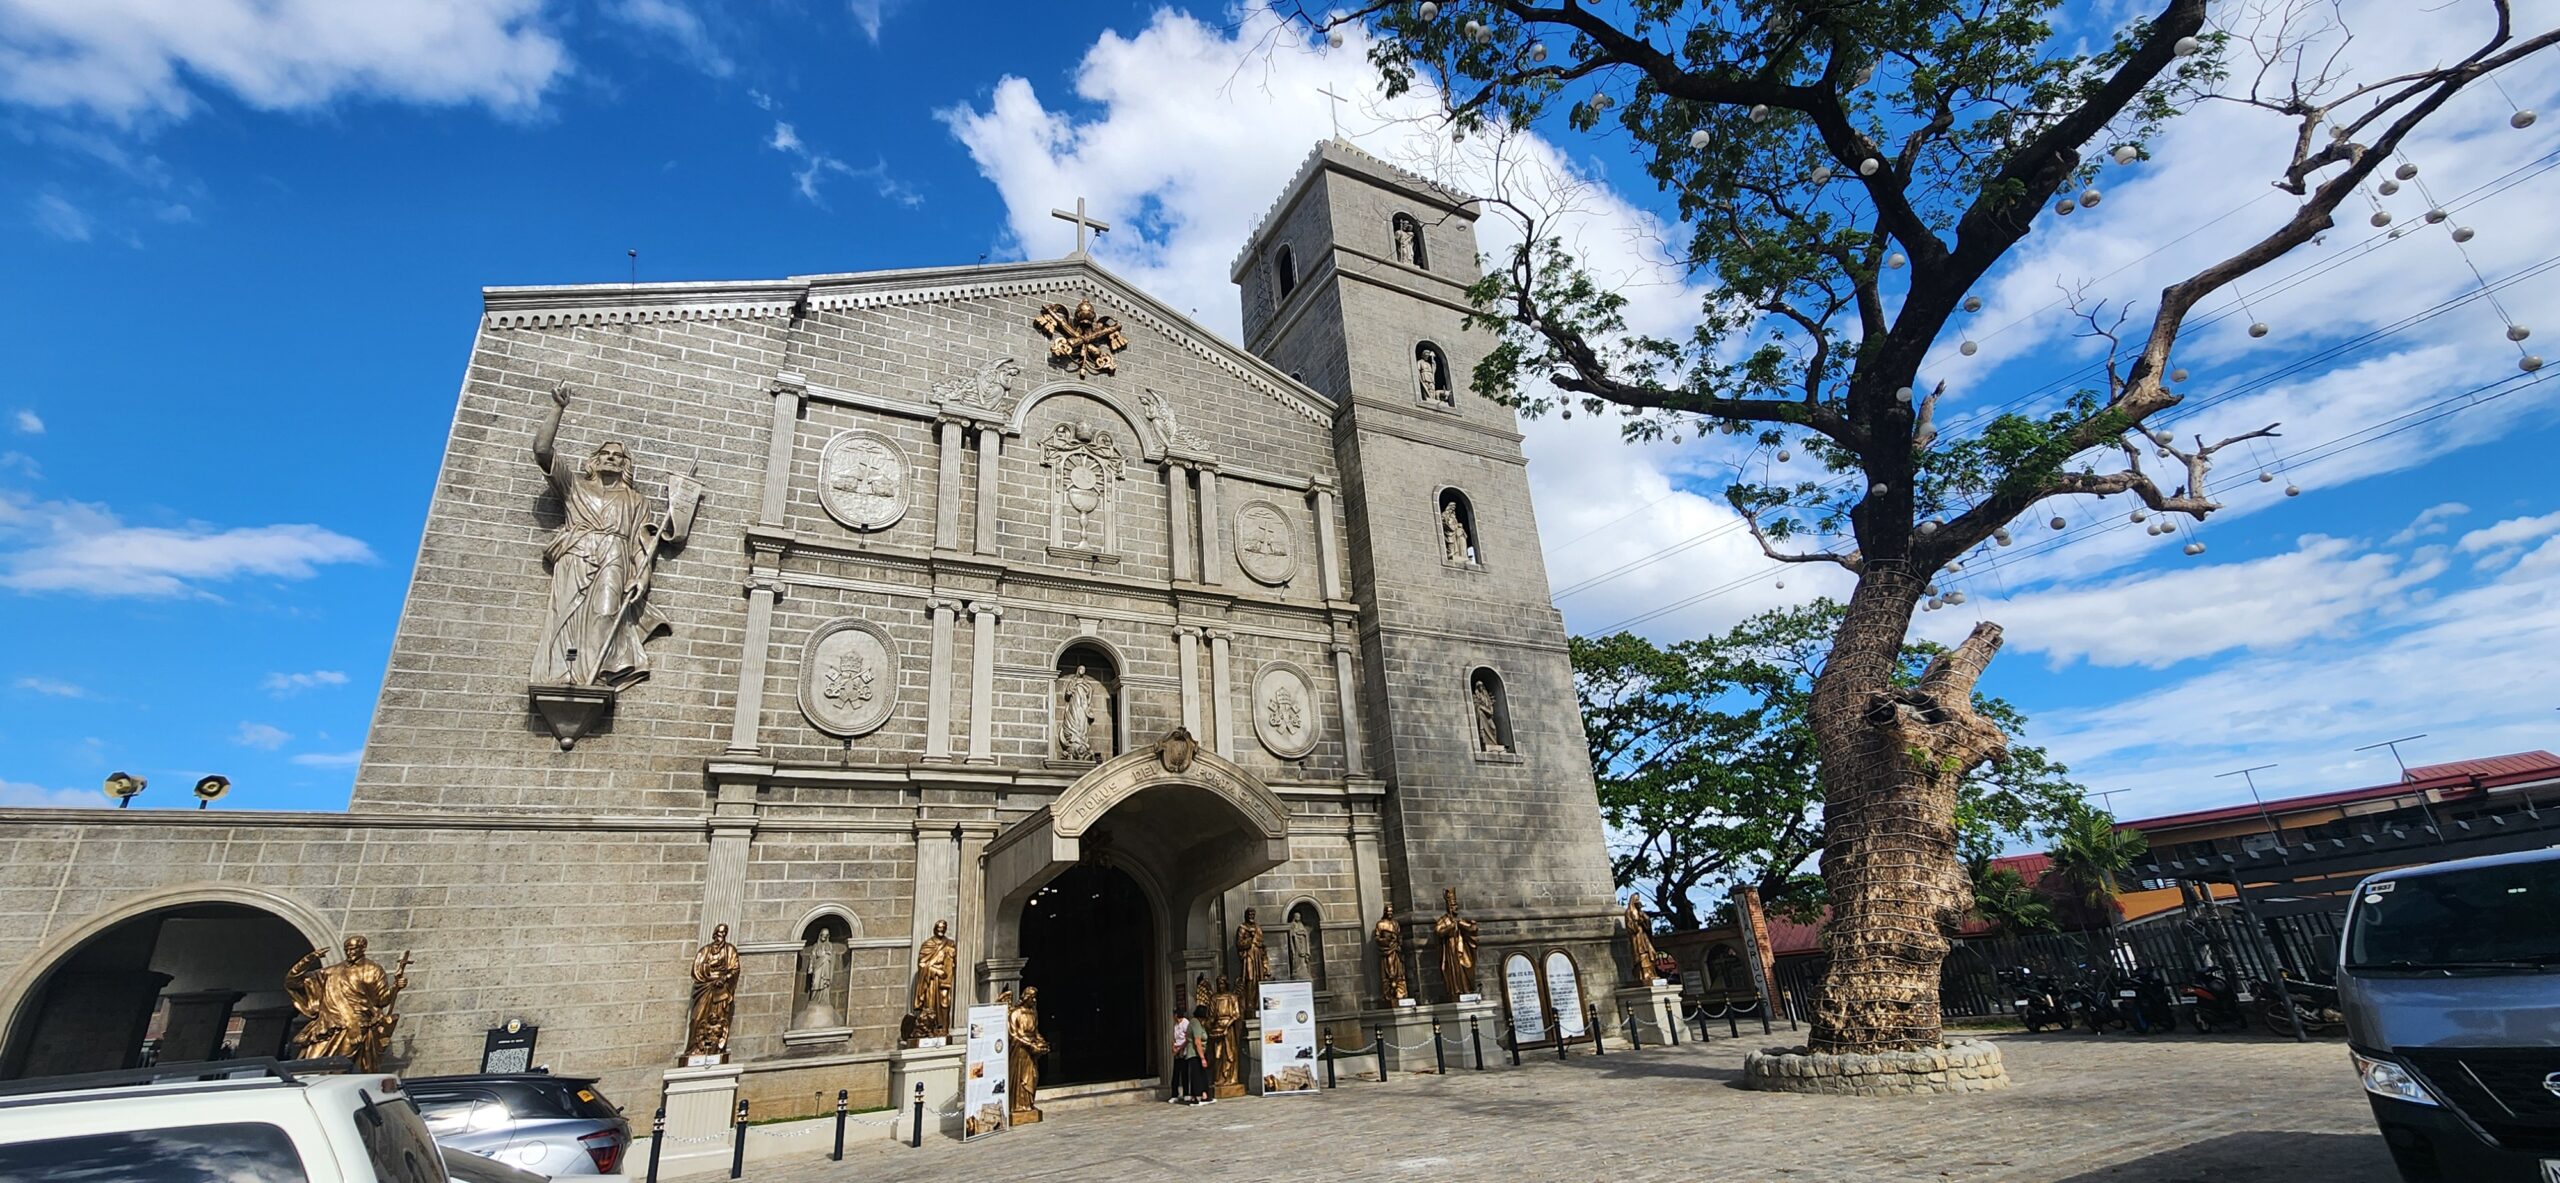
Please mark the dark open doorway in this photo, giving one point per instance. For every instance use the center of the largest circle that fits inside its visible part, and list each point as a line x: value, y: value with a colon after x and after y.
x: 181, y: 984
x: 1086, y: 938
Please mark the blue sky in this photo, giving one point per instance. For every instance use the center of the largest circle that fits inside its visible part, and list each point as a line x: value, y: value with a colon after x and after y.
x: 248, y: 242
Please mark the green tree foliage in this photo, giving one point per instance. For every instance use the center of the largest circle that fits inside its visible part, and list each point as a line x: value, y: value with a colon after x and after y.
x: 2003, y: 899
x: 2091, y: 855
x: 1708, y: 773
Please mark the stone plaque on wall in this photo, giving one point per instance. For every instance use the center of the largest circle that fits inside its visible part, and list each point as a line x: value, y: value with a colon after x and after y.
x: 848, y: 677
x: 862, y: 480
x: 1284, y: 710
x: 1266, y: 543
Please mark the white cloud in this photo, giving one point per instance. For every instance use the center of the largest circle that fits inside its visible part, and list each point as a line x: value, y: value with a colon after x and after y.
x: 870, y: 13
x: 816, y: 166
x: 58, y: 217
x: 52, y: 687
x: 2509, y: 534
x: 21, y: 795
x: 2431, y: 521
x: 284, y: 685
x: 27, y: 422
x: 71, y: 546
x: 133, y: 60
x: 679, y: 24
x: 261, y: 736
x: 328, y: 759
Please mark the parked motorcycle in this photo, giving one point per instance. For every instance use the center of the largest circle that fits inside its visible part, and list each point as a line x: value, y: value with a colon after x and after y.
x: 2093, y: 1005
x: 2214, y: 1002
x: 2144, y: 999
x: 2036, y: 999
x: 2315, y: 1003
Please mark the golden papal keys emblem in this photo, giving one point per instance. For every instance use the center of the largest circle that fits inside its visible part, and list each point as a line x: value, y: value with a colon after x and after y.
x: 1080, y: 340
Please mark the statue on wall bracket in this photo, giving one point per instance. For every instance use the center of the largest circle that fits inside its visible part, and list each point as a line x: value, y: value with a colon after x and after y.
x: 600, y: 620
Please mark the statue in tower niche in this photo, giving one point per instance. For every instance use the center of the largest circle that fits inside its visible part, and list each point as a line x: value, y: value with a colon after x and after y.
x: 715, y: 1000
x: 1022, y: 1027
x: 1640, y: 951
x: 1427, y: 377
x: 929, y: 1008
x: 601, y: 559
x: 820, y: 962
x: 1455, y: 544
x: 1457, y: 937
x: 348, y: 1005
x: 1488, y: 718
x: 1253, y: 960
x: 1084, y: 717
x: 1389, y: 937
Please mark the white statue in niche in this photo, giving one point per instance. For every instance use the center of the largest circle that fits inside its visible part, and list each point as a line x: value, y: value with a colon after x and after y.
x: 820, y: 961
x: 1454, y: 542
x: 1426, y: 377
x: 1302, y: 949
x: 1404, y: 240
x: 1086, y: 464
x: 1488, y: 718
x: 601, y: 559
x: 1084, y: 717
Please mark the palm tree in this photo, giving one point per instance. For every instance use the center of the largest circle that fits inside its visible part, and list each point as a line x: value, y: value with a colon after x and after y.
x: 2090, y: 852
x: 2003, y: 899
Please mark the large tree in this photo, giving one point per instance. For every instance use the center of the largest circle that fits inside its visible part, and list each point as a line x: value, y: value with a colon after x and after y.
x: 1849, y: 171
x: 1708, y: 772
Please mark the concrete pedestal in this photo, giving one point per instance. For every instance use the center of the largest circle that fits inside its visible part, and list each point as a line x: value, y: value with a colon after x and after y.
x: 938, y: 1069
x: 1655, y: 1008
x: 702, y: 1105
x: 1408, y: 1031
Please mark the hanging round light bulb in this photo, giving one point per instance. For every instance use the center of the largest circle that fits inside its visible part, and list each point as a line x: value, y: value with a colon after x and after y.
x: 1333, y: 37
x: 2397, y: 232
x: 1928, y: 527
x: 1877, y: 489
x: 2001, y: 537
x: 2463, y: 234
x: 2193, y: 549
x: 1895, y: 261
x: 2127, y: 154
x: 2293, y: 490
x: 1866, y: 73
x: 2435, y: 215
x: 1603, y: 101
x: 1821, y: 173
x: 2266, y: 478
x: 2090, y: 196
x: 1903, y: 395
x: 2259, y: 329
x: 1700, y: 138
x: 2521, y: 119
x: 2057, y: 522
x: 1782, y: 585
x: 2065, y: 206
x: 2187, y: 47
x: 2406, y: 171
x: 2387, y: 188
x: 1973, y: 303
x: 1428, y: 10
x: 1955, y: 597
x: 1868, y: 166
x: 2529, y: 362
x: 2381, y: 217
x: 1968, y: 349
x: 1759, y: 112
x: 1784, y: 455
x: 2178, y: 375
x: 1933, y: 603
x: 1537, y: 51
x: 2518, y: 332
x: 1474, y: 29
x: 2141, y: 514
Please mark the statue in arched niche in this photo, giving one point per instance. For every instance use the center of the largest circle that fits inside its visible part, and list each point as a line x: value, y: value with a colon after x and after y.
x: 1084, y: 716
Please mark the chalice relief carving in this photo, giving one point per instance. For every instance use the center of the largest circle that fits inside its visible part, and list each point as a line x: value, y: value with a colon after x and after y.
x: 1086, y: 464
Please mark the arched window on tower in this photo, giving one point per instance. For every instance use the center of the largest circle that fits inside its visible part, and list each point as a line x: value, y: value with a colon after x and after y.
x: 1458, y: 538
x: 1285, y: 263
x: 1491, y: 710
x: 1409, y: 245
x: 1431, y: 376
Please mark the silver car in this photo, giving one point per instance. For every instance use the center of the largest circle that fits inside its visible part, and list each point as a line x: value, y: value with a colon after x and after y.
x: 550, y: 1125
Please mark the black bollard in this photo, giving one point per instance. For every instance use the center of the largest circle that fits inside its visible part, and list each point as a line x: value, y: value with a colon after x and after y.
x: 1439, y: 1054
x: 1515, y: 1045
x: 1561, y: 1041
x: 1328, y: 1060
x: 1676, y: 1020
x: 915, y: 1137
x: 1765, y: 1028
x: 1591, y: 1018
x: 1732, y: 1025
x: 839, y: 1154
x: 1378, y: 1044
x: 657, y: 1139
x: 738, y: 1142
x: 1475, y: 1035
x: 1635, y: 1038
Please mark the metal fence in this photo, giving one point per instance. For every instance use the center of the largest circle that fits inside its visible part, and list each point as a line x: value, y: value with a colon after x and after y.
x: 2304, y: 945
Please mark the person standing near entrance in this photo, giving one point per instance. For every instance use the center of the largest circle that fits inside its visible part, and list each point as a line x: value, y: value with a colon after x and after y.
x: 1186, y: 1059
x: 1201, y: 1091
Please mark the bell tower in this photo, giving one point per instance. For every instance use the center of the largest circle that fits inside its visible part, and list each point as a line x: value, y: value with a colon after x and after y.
x: 1356, y: 283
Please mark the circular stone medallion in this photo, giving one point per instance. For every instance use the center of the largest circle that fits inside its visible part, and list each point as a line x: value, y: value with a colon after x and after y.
x: 862, y: 480
x: 848, y: 677
x: 1266, y: 543
x: 1284, y: 710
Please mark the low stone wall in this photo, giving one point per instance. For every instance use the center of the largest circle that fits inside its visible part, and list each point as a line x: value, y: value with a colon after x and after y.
x: 1956, y: 1068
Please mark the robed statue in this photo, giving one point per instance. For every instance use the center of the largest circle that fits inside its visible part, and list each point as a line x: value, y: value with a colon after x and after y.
x: 820, y: 961
x: 1302, y: 951
x: 1022, y: 1026
x: 348, y: 1005
x: 937, y: 961
x: 715, y: 997
x: 1226, y: 1036
x: 1457, y: 937
x: 1639, y: 937
x: 601, y: 559
x: 1084, y: 717
x: 1253, y: 961
x: 1389, y: 937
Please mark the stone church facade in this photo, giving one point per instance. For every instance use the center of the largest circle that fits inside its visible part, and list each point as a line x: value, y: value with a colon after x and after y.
x: 917, y: 567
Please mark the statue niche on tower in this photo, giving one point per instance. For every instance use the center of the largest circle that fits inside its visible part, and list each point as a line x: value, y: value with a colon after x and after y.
x: 1086, y: 712
x: 595, y: 635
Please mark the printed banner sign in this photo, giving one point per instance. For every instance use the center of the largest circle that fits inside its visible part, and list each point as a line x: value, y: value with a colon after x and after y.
x: 1564, y: 993
x: 1520, y: 991
x: 1288, y: 1038
x: 986, y: 1097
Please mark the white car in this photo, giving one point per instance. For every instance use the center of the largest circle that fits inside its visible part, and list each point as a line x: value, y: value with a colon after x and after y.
x: 237, y: 1121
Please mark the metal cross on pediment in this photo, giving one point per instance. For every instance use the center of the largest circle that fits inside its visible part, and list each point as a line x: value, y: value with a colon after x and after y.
x: 1083, y: 223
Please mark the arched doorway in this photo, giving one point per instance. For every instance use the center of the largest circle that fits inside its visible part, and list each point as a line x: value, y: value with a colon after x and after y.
x: 1087, y: 940
x: 184, y: 982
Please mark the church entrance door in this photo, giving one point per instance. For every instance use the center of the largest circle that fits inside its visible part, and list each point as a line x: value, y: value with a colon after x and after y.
x: 1087, y: 942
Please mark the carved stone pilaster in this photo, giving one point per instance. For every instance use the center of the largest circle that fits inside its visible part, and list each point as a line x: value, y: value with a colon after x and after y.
x: 983, y: 615
x: 937, y: 698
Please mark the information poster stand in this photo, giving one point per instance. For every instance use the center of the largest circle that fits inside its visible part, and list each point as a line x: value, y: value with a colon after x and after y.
x: 986, y: 1095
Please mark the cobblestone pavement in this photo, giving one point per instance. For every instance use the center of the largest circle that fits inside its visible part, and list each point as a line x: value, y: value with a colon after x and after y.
x: 2183, y: 1109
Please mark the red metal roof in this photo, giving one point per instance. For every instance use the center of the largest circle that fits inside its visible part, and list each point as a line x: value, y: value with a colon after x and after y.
x: 2488, y: 772
x: 2529, y: 763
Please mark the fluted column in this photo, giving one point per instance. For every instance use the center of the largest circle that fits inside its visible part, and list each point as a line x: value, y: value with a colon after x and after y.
x: 1213, y: 562
x: 1218, y: 701
x: 937, y: 695
x: 788, y: 390
x: 1355, y: 753
x: 983, y: 614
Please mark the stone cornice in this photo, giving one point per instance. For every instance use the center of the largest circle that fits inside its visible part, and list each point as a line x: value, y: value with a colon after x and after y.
x: 556, y: 306
x: 368, y: 820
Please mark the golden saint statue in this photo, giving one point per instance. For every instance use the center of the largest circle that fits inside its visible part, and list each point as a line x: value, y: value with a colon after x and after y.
x: 715, y: 997
x: 1389, y: 937
x: 348, y: 1005
x: 1226, y: 1040
x: 1457, y: 936
x: 937, y: 960
x: 1639, y: 937
x: 1022, y: 1026
x: 1253, y: 961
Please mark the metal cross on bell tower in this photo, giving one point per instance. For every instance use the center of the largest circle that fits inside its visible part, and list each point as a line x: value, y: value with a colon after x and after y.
x: 1083, y: 223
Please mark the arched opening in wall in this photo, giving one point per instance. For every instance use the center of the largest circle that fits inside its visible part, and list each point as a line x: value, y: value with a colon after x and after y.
x: 1409, y: 245
x: 1285, y: 266
x: 1086, y: 721
x: 1303, y: 945
x: 1431, y: 376
x: 179, y: 984
x: 1086, y: 940
x: 1458, y: 538
x: 826, y: 944
x: 1492, y: 710
x: 1724, y: 969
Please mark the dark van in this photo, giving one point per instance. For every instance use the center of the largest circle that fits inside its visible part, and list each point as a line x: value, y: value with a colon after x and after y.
x: 2450, y: 978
